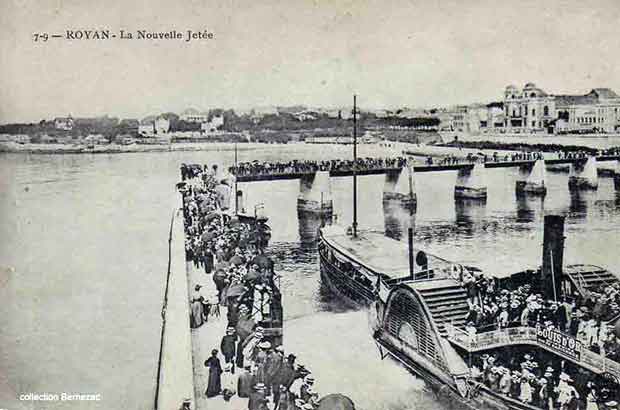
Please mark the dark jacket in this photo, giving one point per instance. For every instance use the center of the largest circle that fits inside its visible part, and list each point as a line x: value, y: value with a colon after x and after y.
x: 244, y: 384
x: 228, y: 345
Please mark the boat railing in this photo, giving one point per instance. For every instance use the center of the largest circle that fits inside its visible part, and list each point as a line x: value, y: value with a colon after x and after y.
x: 549, y: 339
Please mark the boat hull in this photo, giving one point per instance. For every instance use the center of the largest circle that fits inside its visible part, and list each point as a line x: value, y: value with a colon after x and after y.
x: 448, y: 394
x: 344, y: 286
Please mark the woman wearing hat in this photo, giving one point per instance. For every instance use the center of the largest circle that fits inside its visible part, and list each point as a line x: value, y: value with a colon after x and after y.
x: 197, y: 311
x: 214, y: 385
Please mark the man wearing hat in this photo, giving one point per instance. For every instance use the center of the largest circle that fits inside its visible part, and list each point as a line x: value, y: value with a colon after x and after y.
x: 299, y: 380
x: 305, y: 391
x: 283, y: 401
x: 273, y: 366
x: 260, y: 360
x: 228, y: 346
x: 257, y: 397
x: 250, y: 345
x: 288, y: 371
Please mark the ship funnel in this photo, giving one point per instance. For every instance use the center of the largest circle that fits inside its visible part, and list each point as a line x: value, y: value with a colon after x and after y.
x: 552, y: 257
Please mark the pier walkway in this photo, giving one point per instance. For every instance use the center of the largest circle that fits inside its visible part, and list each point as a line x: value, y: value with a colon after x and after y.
x: 376, y: 166
x: 204, y: 339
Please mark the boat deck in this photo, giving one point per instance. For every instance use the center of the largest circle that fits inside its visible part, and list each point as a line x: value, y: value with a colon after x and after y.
x: 375, y: 251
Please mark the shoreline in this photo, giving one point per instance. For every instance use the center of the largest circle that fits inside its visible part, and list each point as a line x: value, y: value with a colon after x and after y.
x: 62, y: 149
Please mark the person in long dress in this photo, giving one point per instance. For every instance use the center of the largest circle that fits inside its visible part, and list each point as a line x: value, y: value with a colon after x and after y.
x: 197, y: 309
x: 214, y: 386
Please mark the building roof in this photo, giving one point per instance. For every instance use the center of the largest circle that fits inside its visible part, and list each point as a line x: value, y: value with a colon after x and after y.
x: 566, y: 100
x: 604, y: 93
x: 191, y: 111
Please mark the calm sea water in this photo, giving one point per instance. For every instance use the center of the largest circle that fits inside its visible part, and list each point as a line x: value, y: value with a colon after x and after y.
x: 84, y: 255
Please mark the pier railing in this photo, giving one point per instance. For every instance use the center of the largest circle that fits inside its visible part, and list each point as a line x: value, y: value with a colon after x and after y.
x: 552, y: 340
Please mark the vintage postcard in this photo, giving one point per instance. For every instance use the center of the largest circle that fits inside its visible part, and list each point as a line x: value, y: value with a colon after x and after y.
x: 309, y: 205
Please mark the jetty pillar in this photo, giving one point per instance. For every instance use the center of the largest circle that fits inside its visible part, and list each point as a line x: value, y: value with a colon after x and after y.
x: 399, y: 189
x: 583, y: 174
x: 553, y: 257
x: 617, y: 176
x: 315, y: 194
x: 532, y: 179
x: 471, y: 183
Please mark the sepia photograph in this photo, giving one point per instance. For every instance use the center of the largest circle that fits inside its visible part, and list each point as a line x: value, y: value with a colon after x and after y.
x: 309, y: 205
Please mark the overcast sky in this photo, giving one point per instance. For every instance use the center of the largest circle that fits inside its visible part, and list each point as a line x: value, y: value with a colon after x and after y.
x: 391, y: 53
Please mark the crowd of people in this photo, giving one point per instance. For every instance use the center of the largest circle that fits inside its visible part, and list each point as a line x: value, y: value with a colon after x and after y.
x: 250, y: 361
x: 549, y: 386
x: 300, y: 167
x: 542, y: 382
x: 584, y: 319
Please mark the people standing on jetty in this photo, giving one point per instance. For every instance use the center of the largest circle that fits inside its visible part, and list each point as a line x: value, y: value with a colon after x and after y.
x: 197, y: 308
x: 246, y: 284
x: 229, y: 347
x: 214, y: 386
x: 299, y: 167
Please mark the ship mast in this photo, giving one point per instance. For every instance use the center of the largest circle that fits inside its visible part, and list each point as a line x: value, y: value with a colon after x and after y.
x: 236, y: 192
x: 354, y: 166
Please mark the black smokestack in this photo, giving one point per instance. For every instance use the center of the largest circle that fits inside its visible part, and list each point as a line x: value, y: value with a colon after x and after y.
x: 553, y: 256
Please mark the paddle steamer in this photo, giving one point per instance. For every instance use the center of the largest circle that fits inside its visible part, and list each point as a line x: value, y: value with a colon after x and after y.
x: 419, y: 305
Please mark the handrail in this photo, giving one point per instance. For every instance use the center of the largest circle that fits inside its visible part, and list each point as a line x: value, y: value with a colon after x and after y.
x: 163, y: 312
x: 529, y: 335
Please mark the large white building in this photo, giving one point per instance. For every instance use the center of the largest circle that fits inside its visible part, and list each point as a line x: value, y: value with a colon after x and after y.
x: 533, y: 110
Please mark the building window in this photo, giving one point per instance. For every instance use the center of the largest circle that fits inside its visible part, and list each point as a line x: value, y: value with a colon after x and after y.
x: 545, y: 110
x: 533, y: 111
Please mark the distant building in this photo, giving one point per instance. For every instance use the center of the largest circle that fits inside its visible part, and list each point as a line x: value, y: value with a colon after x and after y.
x: 146, y: 129
x: 63, y: 123
x: 597, y: 111
x: 193, y: 115
x: 162, y: 126
x: 211, y: 126
x: 533, y: 110
x: 530, y: 109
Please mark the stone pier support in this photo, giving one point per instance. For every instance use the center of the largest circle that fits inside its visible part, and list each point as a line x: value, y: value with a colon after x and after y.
x: 532, y: 180
x: 583, y: 175
x: 399, y: 189
x: 471, y: 183
x: 315, y: 194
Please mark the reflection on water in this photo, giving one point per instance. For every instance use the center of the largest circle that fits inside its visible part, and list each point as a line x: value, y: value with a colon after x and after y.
x: 468, y: 213
x: 529, y: 208
x: 87, y: 257
x: 397, y: 219
x: 309, y: 225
